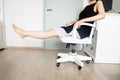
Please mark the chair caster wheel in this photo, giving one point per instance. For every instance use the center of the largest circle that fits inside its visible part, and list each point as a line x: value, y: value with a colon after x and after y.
x: 58, y: 64
x: 88, y: 61
x: 79, y: 67
x: 58, y: 57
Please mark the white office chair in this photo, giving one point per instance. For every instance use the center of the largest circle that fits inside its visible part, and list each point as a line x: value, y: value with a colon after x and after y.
x: 73, y: 56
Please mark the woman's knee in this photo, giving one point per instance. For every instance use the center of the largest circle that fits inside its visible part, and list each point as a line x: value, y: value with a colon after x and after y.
x: 52, y: 33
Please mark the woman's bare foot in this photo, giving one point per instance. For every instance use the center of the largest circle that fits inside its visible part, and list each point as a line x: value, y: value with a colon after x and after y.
x: 19, y: 31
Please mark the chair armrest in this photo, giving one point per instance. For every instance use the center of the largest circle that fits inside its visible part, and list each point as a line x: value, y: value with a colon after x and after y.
x: 88, y: 24
x: 75, y: 29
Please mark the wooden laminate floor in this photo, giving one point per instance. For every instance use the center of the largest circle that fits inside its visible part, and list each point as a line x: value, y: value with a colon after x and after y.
x: 39, y: 64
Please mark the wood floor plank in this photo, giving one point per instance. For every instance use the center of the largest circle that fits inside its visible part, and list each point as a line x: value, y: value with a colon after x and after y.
x: 40, y: 64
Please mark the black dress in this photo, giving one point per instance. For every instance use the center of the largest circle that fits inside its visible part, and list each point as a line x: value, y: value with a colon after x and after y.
x: 84, y: 31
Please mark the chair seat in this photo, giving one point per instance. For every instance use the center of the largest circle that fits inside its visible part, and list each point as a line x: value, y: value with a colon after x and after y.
x: 70, y: 39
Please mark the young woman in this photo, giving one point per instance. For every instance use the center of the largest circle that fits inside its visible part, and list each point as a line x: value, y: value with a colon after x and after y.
x: 94, y: 11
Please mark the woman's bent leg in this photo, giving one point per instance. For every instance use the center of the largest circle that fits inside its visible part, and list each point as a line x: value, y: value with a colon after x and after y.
x: 35, y: 34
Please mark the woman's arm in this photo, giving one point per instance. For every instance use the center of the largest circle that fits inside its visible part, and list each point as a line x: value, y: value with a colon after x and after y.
x: 100, y: 15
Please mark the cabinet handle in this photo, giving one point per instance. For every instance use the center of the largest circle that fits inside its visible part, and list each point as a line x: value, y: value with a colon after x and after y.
x: 49, y: 10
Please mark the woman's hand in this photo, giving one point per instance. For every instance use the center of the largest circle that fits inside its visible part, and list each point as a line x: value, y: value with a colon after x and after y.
x: 78, y: 23
x: 69, y: 23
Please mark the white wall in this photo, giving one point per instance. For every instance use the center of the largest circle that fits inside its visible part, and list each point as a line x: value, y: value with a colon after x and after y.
x: 27, y: 14
x: 116, y: 5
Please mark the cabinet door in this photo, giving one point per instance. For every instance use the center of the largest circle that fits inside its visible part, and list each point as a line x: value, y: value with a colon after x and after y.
x: 0, y: 34
x: 1, y: 11
x: 2, y: 43
x: 0, y: 21
x: 90, y: 49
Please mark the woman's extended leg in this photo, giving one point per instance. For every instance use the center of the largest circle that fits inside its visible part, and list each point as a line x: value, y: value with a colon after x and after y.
x: 34, y: 34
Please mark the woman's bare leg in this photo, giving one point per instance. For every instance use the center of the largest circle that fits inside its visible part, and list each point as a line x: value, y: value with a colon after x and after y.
x: 34, y: 34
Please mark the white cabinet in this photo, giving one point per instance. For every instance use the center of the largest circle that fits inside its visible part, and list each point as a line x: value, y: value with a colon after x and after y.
x: 2, y: 29
x: 105, y: 47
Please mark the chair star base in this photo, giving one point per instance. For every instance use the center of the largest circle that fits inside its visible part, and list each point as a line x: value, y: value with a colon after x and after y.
x: 73, y: 57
